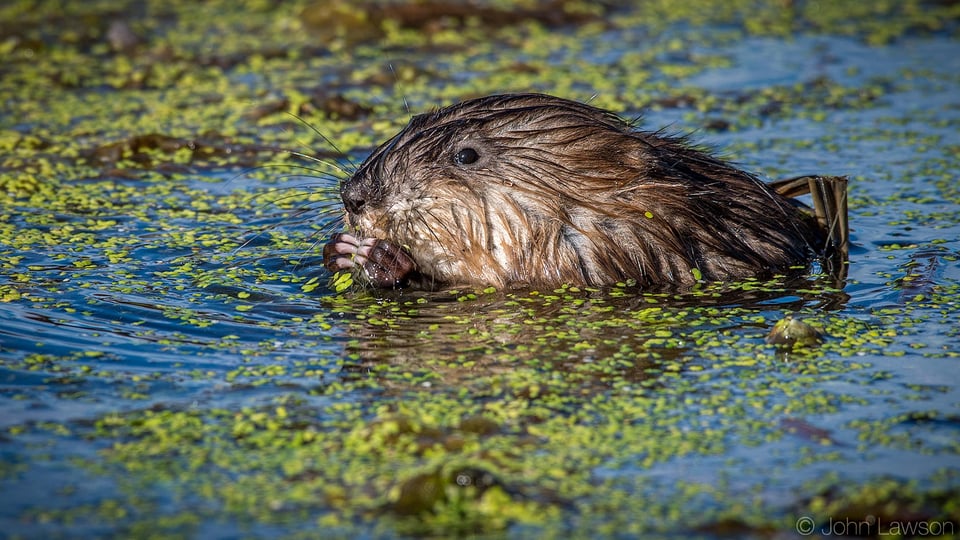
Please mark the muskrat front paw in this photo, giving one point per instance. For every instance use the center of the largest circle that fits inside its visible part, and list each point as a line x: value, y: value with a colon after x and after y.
x: 385, y: 264
x: 388, y: 265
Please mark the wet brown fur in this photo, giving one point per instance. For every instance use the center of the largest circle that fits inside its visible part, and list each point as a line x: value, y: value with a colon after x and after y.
x: 564, y: 192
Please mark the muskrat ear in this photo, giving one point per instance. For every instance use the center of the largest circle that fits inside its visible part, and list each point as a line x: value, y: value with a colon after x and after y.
x: 466, y: 156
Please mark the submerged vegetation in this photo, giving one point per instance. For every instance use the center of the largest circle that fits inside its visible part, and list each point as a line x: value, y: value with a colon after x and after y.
x: 174, y: 362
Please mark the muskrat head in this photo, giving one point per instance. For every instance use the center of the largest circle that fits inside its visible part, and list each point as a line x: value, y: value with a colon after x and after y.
x: 529, y: 189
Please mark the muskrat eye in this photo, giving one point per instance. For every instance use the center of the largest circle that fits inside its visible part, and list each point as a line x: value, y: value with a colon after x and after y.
x: 466, y: 156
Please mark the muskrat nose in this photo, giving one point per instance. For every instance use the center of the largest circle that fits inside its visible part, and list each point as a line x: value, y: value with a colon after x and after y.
x: 352, y: 200
x: 356, y: 194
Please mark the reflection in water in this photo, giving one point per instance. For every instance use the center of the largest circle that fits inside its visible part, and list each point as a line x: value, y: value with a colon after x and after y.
x: 455, y: 335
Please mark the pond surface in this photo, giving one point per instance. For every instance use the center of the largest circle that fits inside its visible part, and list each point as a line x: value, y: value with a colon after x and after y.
x: 174, y: 362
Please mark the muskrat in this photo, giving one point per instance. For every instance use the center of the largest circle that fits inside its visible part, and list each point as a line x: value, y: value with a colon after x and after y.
x: 532, y: 190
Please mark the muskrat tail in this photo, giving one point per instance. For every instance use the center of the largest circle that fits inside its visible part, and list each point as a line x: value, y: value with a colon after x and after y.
x: 829, y: 194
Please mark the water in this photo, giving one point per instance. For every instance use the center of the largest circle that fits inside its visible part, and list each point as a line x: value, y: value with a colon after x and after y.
x: 163, y: 368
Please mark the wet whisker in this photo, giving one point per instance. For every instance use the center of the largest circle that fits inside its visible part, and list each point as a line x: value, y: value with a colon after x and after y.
x: 326, y: 140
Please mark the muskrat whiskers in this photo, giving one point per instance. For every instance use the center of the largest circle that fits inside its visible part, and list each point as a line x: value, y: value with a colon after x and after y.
x: 326, y: 140
x: 286, y: 196
x: 314, y: 171
x: 397, y: 81
x: 322, y: 208
x: 316, y: 238
x: 331, y: 164
x: 314, y: 187
x: 327, y: 172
